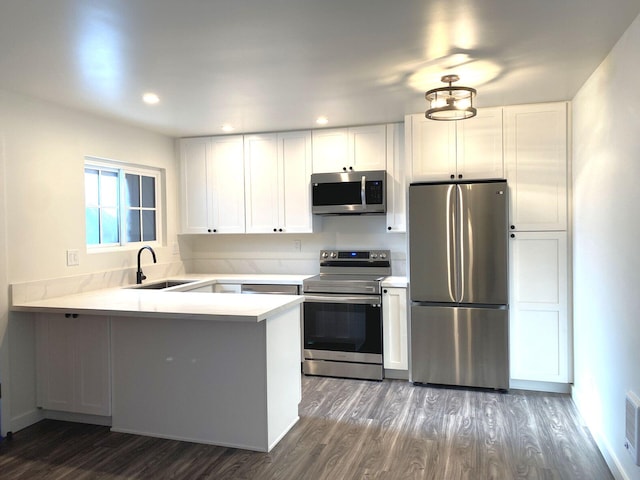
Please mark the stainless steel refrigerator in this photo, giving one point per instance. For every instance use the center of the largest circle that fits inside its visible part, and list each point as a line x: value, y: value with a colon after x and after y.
x: 458, y: 283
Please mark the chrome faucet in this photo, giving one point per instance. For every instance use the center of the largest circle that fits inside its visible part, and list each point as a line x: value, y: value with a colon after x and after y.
x: 139, y: 275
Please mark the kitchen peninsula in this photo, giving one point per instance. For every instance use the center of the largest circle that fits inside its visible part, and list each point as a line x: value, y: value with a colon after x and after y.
x: 214, y: 368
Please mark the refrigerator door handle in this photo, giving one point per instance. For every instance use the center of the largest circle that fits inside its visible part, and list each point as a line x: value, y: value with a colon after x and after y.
x: 452, y: 278
x: 460, y: 246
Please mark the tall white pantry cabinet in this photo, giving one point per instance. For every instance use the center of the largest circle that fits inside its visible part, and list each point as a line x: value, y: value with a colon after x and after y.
x: 536, y: 160
x: 526, y: 144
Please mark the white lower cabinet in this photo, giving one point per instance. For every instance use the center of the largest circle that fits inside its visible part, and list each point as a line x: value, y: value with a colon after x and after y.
x: 394, y: 328
x: 73, y: 363
x: 540, y: 347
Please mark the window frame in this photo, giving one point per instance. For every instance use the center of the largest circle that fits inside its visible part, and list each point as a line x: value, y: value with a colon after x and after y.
x: 122, y: 169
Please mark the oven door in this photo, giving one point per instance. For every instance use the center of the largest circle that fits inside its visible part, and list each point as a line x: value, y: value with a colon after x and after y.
x: 343, y: 328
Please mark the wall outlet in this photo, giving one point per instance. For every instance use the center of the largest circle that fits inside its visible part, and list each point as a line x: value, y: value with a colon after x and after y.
x: 297, y: 245
x: 73, y: 258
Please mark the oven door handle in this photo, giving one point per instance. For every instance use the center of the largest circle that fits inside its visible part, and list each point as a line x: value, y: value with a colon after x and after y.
x: 353, y: 299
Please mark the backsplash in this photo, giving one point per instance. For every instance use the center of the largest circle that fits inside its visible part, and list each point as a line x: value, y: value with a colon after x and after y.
x: 57, y: 287
x: 278, y: 254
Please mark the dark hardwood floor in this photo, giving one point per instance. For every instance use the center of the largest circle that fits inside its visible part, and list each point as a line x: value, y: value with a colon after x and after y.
x: 348, y: 429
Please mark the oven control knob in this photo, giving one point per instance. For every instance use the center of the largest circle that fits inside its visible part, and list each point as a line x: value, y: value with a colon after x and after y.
x: 383, y: 256
x: 334, y: 254
x: 325, y: 254
x: 374, y: 256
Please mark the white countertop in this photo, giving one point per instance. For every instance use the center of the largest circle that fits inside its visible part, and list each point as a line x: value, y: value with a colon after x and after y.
x: 400, y: 282
x: 167, y: 303
x: 175, y: 303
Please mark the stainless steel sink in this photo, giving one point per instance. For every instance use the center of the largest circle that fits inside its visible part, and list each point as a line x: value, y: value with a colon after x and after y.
x: 162, y: 285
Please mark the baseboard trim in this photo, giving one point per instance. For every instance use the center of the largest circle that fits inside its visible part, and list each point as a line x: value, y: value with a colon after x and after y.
x: 609, y: 456
x: 25, y: 420
x: 396, y: 374
x: 77, y: 417
x: 540, y: 386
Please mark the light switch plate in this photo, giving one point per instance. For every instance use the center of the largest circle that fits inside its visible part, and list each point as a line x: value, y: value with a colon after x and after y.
x: 73, y: 258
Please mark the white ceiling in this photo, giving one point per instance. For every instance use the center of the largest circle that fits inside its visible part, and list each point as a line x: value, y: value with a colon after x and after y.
x: 266, y: 65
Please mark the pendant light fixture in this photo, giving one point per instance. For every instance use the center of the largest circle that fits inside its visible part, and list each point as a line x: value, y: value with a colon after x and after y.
x: 451, y: 103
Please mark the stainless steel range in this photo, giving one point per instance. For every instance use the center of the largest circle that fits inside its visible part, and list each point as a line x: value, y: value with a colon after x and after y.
x: 342, y: 333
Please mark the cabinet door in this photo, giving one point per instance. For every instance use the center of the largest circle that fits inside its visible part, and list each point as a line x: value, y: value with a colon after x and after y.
x: 194, y: 201
x: 394, y: 328
x: 368, y: 148
x: 539, y: 325
x: 479, y: 146
x: 433, y: 149
x: 92, y: 365
x: 294, y: 157
x: 226, y: 178
x: 54, y: 360
x: 536, y: 165
x: 262, y: 183
x: 330, y: 150
x: 73, y: 364
x: 396, y: 179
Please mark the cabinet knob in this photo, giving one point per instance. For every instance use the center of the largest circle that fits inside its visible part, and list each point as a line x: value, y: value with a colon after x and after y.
x: 212, y: 230
x: 513, y: 227
x: 275, y: 229
x: 389, y: 228
x: 513, y: 235
x: 453, y: 176
x: 385, y: 290
x: 344, y: 169
x: 280, y: 230
x: 460, y: 176
x: 351, y: 168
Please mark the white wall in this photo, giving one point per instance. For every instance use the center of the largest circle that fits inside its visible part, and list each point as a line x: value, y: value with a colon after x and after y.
x: 606, y: 199
x: 42, y: 154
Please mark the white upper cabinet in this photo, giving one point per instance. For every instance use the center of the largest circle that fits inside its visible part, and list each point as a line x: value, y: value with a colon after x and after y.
x: 536, y: 165
x: 196, y: 193
x: 277, y: 174
x: 350, y: 149
x: 261, y: 183
x: 479, y: 145
x: 467, y: 149
x: 212, y: 184
x: 294, y: 155
x: 396, y: 179
x: 227, y: 178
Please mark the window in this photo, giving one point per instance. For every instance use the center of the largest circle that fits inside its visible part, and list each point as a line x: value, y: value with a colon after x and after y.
x: 121, y: 204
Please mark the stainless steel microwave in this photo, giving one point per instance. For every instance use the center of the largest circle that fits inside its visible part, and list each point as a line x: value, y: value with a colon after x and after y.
x: 349, y: 193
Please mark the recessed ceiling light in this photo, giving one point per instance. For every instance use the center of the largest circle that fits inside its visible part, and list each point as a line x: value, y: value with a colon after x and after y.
x: 227, y: 128
x: 150, y: 98
x: 322, y: 120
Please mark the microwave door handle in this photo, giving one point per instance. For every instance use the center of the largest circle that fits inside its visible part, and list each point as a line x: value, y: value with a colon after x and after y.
x: 363, y: 192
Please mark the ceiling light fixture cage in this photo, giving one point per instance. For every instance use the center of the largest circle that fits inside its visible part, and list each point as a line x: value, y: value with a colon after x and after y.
x: 451, y: 103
